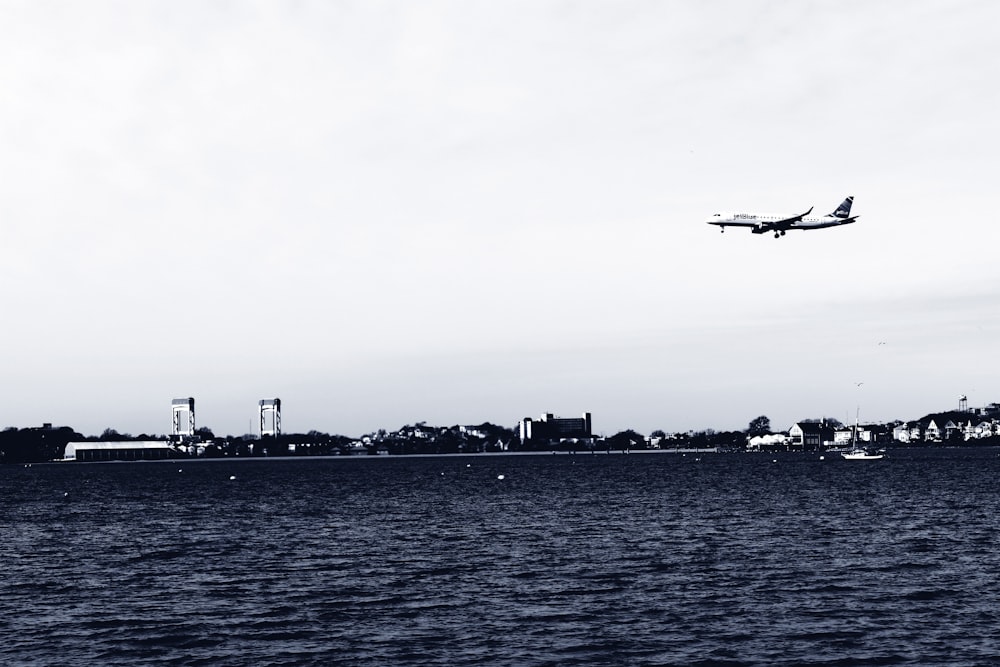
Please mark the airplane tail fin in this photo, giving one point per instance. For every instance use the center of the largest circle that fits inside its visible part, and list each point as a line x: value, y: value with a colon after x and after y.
x: 844, y: 210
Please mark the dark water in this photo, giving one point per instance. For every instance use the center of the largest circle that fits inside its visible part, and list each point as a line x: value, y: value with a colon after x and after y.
x: 656, y: 559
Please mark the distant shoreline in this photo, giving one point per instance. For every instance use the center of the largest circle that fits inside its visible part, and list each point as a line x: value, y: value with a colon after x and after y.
x: 497, y: 455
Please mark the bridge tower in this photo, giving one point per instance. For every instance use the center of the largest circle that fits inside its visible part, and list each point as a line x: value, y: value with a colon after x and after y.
x: 183, y: 417
x: 270, y: 407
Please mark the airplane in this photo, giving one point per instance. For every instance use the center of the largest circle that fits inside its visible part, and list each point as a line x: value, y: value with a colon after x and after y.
x: 762, y: 224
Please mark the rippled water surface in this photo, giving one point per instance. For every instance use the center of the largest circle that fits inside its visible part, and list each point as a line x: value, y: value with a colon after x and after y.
x: 654, y: 559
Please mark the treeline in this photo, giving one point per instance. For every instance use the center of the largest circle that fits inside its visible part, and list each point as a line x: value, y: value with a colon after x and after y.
x: 34, y: 445
x: 46, y: 443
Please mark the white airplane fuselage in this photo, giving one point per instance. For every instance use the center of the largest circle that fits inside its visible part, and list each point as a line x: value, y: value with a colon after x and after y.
x: 759, y: 223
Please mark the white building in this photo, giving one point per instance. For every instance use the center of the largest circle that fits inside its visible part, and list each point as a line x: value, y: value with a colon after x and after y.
x: 138, y: 450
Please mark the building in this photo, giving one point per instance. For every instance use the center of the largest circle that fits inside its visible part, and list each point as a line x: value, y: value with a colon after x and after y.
x: 553, y: 429
x: 949, y: 426
x: 138, y: 450
x: 867, y: 434
x: 182, y: 411
x: 941, y: 430
x: 270, y: 408
x: 771, y: 442
x: 907, y: 432
x: 810, y: 436
x: 991, y: 410
x: 986, y: 428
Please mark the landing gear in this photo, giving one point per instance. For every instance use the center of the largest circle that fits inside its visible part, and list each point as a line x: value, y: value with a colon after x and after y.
x: 779, y: 234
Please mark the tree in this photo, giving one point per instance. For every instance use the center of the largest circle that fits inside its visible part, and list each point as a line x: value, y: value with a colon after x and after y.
x: 759, y: 426
x: 627, y: 439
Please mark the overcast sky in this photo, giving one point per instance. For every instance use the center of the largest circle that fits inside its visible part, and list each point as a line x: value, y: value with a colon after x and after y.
x: 457, y: 212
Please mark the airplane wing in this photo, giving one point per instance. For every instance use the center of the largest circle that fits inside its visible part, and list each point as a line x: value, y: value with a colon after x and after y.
x: 784, y: 223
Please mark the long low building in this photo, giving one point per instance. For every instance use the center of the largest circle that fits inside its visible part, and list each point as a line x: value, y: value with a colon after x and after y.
x: 137, y: 450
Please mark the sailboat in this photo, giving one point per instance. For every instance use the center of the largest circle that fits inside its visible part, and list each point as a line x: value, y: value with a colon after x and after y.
x: 858, y: 453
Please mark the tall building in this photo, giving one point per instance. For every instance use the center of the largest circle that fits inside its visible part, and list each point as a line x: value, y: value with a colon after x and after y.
x: 183, y: 418
x: 549, y: 428
x: 270, y: 407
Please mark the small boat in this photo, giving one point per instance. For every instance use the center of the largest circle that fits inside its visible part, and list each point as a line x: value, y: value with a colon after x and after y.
x: 859, y: 453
